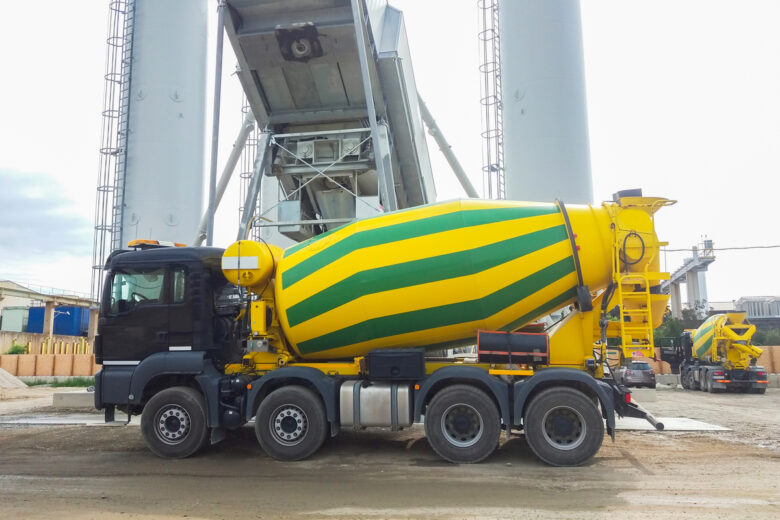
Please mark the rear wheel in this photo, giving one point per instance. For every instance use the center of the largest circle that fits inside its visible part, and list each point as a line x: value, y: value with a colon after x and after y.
x: 174, y: 422
x: 707, y: 386
x: 291, y: 423
x: 692, y: 384
x: 757, y: 390
x: 563, y: 427
x: 462, y: 424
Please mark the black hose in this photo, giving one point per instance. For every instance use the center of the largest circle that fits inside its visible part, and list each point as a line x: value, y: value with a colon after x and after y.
x: 625, y: 257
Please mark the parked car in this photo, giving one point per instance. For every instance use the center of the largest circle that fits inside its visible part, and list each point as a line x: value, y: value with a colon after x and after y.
x: 636, y: 373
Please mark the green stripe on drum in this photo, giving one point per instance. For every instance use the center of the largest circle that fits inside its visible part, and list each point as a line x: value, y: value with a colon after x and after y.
x: 440, y: 316
x: 700, y: 333
x: 422, y: 271
x: 542, y: 310
x: 405, y: 230
x: 292, y: 249
x: 701, y: 350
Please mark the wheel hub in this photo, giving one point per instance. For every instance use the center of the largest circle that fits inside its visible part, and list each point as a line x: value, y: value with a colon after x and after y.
x: 564, y: 428
x: 462, y: 425
x: 289, y: 425
x: 173, y: 424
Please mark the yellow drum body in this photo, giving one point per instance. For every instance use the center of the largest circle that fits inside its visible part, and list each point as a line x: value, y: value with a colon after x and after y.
x: 725, y: 339
x: 434, y: 275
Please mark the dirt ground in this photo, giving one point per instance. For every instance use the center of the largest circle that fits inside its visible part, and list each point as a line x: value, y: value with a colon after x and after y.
x: 106, y: 472
x: 14, y: 400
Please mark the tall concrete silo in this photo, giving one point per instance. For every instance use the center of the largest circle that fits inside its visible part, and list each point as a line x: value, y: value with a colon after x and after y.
x: 150, y: 182
x: 541, y: 86
x: 163, y: 174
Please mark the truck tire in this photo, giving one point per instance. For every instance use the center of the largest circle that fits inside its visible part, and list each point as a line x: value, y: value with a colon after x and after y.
x: 173, y: 423
x: 692, y: 384
x: 563, y: 427
x: 291, y: 423
x: 757, y: 390
x: 462, y: 424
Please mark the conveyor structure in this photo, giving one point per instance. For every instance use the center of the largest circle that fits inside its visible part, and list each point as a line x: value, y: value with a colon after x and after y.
x: 331, y: 84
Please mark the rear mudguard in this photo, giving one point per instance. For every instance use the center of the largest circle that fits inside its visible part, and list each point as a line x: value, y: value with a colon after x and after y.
x: 326, y: 386
x: 565, y: 377
x: 461, y: 374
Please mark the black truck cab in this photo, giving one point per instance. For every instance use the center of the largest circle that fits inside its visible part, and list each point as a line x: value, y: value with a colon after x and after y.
x: 160, y: 300
x: 167, y: 318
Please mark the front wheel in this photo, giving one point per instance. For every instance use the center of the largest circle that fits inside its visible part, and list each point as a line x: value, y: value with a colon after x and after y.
x: 291, y: 423
x: 563, y: 427
x: 462, y: 424
x: 173, y: 423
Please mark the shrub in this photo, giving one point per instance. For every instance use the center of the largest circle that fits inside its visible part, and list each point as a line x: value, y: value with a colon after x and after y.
x: 17, y: 349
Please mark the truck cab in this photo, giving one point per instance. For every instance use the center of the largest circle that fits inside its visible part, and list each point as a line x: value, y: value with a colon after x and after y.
x: 159, y: 301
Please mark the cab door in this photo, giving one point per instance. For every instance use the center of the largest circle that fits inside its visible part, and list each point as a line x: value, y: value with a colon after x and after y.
x: 134, y: 322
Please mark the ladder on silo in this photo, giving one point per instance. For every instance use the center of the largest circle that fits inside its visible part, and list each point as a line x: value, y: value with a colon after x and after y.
x: 490, y: 99
x: 116, y: 100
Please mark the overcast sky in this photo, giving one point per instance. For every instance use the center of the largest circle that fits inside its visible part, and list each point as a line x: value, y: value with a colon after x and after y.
x: 683, y: 101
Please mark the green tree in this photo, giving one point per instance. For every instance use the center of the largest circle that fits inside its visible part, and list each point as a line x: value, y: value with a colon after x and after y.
x: 766, y: 337
x: 674, y: 327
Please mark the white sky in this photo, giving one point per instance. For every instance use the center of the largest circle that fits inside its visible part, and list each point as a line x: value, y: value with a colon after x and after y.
x: 683, y: 101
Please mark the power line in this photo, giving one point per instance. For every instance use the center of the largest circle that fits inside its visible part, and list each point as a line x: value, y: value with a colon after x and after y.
x: 735, y: 248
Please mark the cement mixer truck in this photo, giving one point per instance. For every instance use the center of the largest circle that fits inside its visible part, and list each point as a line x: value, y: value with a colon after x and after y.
x: 345, y: 330
x: 718, y: 356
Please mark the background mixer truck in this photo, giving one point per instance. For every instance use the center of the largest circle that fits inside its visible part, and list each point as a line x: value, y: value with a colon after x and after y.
x: 719, y: 356
x: 332, y: 333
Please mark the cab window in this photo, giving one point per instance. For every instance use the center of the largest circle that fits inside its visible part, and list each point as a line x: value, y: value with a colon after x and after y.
x: 136, y: 287
x: 179, y: 276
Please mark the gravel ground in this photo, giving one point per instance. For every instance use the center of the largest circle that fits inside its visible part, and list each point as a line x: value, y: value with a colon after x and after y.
x: 106, y: 472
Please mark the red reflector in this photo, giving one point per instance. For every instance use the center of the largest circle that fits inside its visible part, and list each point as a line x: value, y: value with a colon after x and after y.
x: 762, y: 373
x: 718, y: 373
x: 628, y: 397
x: 723, y: 380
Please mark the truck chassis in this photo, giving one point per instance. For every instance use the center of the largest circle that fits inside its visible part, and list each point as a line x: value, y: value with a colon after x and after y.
x: 187, y: 402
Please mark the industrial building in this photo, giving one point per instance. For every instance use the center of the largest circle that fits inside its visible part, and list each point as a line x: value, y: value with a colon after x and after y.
x: 763, y: 311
